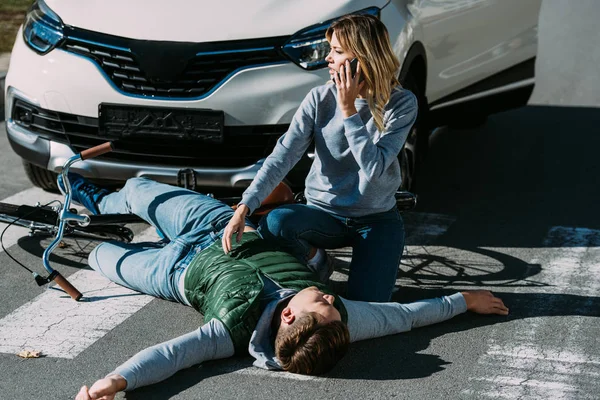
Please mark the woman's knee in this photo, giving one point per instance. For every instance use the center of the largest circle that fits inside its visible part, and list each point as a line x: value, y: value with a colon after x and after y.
x: 282, y: 222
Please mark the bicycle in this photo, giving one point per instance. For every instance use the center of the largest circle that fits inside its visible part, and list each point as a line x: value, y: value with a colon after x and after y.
x: 61, y: 220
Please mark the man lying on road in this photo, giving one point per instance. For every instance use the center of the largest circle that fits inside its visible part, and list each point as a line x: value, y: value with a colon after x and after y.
x: 255, y: 299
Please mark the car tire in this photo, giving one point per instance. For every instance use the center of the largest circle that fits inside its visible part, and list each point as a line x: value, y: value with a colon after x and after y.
x: 41, y: 177
x: 413, y: 152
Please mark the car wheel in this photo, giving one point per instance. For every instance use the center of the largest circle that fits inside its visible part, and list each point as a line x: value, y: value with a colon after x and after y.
x: 411, y: 155
x: 40, y: 177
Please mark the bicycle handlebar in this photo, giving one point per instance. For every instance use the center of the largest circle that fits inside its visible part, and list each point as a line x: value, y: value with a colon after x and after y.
x: 66, y: 286
x: 97, y: 151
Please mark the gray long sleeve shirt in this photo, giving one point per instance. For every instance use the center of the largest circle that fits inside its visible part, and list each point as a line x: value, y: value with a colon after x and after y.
x: 212, y: 341
x: 355, y: 171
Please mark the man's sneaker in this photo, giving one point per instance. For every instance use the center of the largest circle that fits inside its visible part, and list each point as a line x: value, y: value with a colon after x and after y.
x: 324, y: 266
x: 84, y: 192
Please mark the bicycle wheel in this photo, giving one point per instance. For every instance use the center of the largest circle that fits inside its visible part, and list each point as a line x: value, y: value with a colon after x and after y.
x: 43, y: 221
x: 101, y: 232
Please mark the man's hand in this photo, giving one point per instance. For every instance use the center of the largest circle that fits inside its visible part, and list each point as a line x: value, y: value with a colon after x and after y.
x: 236, y: 224
x: 484, y: 302
x: 104, y: 389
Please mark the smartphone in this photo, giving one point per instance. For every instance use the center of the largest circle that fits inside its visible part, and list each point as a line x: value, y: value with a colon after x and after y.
x: 353, y: 66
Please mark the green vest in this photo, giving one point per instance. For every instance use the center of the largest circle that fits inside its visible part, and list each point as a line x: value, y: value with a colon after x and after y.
x: 227, y: 286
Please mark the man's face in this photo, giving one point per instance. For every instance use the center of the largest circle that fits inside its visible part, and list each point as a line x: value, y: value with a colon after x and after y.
x: 312, y: 299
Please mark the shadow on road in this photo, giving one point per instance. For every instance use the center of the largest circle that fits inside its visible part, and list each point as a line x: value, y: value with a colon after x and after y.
x: 523, y: 172
x: 398, y: 357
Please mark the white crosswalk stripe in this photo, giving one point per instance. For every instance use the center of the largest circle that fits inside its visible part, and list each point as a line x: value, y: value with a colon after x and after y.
x: 59, y: 327
x: 564, y: 365
x: 55, y: 324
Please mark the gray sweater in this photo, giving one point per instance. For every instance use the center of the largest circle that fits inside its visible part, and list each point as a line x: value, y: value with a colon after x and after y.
x: 355, y: 171
x: 212, y: 341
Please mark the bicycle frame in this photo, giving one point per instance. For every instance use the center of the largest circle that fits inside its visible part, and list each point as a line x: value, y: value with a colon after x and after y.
x: 65, y: 216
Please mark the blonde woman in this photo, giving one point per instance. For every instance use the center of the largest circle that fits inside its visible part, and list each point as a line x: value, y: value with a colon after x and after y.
x: 359, y: 125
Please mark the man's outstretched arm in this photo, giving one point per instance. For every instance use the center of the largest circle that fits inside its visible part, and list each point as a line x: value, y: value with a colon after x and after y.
x: 371, y: 320
x: 156, y: 363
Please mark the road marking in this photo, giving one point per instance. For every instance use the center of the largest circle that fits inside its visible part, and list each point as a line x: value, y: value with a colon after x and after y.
x: 55, y: 324
x: 534, y: 358
x: 59, y: 327
x: 255, y: 371
x: 242, y: 368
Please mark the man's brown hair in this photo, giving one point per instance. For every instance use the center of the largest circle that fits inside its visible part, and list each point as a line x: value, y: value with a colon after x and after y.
x: 310, y: 347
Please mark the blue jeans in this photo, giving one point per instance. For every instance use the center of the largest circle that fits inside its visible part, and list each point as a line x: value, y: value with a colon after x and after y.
x: 190, y: 221
x: 377, y: 242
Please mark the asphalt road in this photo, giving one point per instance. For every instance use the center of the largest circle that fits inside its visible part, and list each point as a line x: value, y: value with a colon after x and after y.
x: 511, y: 206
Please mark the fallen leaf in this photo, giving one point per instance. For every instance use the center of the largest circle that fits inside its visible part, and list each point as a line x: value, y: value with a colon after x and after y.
x: 30, y: 354
x: 63, y: 245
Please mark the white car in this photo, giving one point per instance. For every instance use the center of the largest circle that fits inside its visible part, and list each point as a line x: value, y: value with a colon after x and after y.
x: 197, y: 93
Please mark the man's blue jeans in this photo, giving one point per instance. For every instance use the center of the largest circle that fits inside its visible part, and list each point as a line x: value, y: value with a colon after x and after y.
x: 189, y: 220
x: 377, y: 242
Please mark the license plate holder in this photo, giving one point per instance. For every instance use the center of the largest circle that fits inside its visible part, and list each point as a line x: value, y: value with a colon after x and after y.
x: 118, y: 121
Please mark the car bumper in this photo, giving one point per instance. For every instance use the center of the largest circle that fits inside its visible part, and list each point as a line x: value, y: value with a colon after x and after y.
x: 53, y: 155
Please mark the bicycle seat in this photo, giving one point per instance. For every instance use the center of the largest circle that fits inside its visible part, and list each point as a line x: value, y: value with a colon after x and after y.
x: 282, y: 194
x: 405, y: 200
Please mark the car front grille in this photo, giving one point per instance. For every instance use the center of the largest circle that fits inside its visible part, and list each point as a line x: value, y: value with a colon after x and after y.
x: 170, y: 69
x: 242, y: 145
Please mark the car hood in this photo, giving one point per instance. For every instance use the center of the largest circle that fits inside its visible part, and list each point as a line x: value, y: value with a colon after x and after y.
x: 195, y: 21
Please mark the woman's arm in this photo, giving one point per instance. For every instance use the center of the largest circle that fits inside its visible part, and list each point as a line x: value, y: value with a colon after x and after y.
x: 288, y: 151
x: 371, y: 320
x: 156, y: 363
x: 374, y: 158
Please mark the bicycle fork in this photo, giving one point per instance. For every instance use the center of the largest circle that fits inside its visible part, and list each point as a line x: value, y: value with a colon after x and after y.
x: 64, y: 217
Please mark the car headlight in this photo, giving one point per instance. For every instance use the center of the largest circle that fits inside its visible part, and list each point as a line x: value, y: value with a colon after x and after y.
x: 43, y: 29
x: 309, y: 47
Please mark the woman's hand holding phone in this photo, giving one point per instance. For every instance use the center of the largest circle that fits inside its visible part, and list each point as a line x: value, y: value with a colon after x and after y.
x: 348, y: 87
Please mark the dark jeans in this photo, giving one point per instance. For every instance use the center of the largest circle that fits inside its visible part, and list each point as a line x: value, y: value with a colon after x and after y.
x: 377, y: 242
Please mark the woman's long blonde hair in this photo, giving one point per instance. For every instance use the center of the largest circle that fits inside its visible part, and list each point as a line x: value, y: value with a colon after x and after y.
x: 367, y: 37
